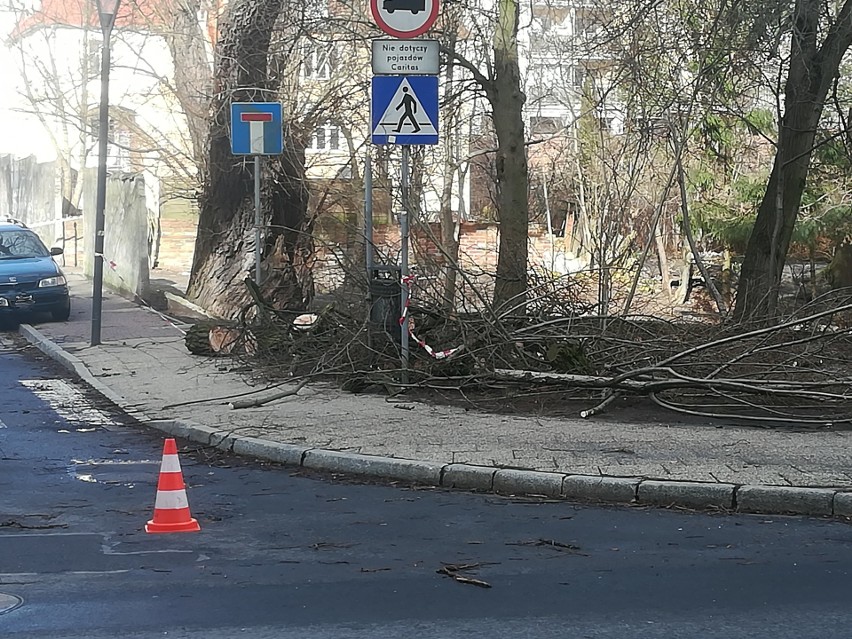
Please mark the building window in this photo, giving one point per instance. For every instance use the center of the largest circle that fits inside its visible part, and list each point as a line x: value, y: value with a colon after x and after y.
x: 585, y: 26
x: 578, y: 77
x: 544, y: 24
x: 539, y: 86
x: 319, y: 61
x: 118, y: 143
x: 545, y: 126
x: 326, y: 138
x: 118, y: 152
x: 346, y: 172
x: 93, y: 55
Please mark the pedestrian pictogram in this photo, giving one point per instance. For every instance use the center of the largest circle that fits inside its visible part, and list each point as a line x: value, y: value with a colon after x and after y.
x: 405, y: 110
x: 404, y: 18
x: 256, y: 128
x: 409, y: 106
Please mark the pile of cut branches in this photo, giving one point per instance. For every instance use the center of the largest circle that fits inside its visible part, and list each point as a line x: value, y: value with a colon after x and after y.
x: 796, y: 371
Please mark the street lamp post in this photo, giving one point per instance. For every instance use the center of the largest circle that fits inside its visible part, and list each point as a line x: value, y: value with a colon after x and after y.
x: 107, y: 9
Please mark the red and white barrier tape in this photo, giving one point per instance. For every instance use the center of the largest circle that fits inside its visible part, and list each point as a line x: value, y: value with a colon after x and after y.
x: 112, y: 265
x: 408, y: 281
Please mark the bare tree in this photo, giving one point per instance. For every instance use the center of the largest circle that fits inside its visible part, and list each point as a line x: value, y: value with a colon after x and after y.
x: 59, y: 100
x: 507, y: 101
x: 225, y: 232
x: 820, y: 35
x: 190, y: 47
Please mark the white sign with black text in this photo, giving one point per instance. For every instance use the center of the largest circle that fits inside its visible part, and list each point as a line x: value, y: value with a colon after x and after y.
x: 405, y: 57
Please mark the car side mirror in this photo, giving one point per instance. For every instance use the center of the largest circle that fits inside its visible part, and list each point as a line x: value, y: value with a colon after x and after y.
x: 56, y: 250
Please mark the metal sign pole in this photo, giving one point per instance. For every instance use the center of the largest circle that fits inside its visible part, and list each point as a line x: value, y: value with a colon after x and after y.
x: 415, y: 93
x: 403, y: 229
x: 368, y: 239
x: 257, y: 219
x: 257, y: 130
x: 107, y: 20
x: 368, y: 212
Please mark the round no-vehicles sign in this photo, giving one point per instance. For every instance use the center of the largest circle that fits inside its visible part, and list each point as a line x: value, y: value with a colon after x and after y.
x: 404, y: 18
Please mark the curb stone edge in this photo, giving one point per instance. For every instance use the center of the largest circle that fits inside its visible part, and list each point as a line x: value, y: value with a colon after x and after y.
x: 763, y: 499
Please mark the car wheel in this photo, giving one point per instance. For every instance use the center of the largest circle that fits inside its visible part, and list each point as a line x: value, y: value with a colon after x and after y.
x: 62, y: 314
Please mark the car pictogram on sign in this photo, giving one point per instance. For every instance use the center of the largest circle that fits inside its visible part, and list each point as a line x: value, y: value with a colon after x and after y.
x: 414, y: 6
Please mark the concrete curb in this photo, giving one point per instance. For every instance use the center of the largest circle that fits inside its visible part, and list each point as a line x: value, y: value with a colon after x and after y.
x: 843, y: 504
x: 786, y: 499
x: 185, y: 304
x: 466, y: 477
x: 686, y: 493
x: 614, y: 489
x: 528, y: 482
x: 504, y: 481
x: 415, y: 472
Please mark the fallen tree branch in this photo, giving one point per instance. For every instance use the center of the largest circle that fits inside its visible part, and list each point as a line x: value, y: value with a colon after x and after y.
x: 581, y: 381
x: 454, y: 571
x: 761, y: 331
x: 676, y: 380
x: 261, y: 401
x: 826, y: 421
x: 594, y: 410
x: 207, y: 400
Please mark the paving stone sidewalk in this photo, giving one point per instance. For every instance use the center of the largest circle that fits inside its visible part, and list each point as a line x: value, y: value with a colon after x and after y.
x: 144, y: 366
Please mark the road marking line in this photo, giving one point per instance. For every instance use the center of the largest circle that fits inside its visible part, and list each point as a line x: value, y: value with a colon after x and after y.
x: 51, y: 534
x: 148, y: 552
x: 67, y: 401
x: 7, y: 575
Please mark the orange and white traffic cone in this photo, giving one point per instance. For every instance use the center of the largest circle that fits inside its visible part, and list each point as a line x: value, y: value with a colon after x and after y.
x: 171, y: 510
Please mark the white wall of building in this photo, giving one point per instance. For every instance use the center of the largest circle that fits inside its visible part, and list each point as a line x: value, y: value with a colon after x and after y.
x: 58, y: 67
x: 20, y: 134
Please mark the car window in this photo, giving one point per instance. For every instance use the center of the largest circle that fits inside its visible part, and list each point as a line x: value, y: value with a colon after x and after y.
x: 15, y: 244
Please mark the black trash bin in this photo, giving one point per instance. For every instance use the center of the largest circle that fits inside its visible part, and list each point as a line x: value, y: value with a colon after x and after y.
x: 385, y: 298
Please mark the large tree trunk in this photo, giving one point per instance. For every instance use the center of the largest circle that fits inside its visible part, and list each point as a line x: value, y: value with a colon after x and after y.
x: 449, y: 227
x: 449, y: 241
x: 813, y: 69
x: 838, y: 274
x: 357, y: 251
x: 188, y: 46
x: 507, y: 102
x: 224, y: 249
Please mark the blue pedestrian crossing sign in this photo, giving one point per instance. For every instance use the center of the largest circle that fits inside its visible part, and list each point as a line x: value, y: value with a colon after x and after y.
x: 256, y: 128
x: 404, y: 109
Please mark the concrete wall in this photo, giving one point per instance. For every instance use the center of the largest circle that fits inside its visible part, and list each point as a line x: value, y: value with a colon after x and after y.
x: 478, y: 244
x: 125, y: 231
x: 29, y: 191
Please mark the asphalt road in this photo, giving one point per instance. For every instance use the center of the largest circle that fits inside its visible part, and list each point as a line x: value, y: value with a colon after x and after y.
x: 288, y: 555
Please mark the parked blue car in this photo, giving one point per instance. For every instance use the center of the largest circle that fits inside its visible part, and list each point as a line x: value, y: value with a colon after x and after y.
x: 30, y: 281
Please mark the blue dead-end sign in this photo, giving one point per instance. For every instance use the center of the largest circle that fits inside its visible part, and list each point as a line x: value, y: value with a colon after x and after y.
x: 404, y: 109
x: 256, y: 128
